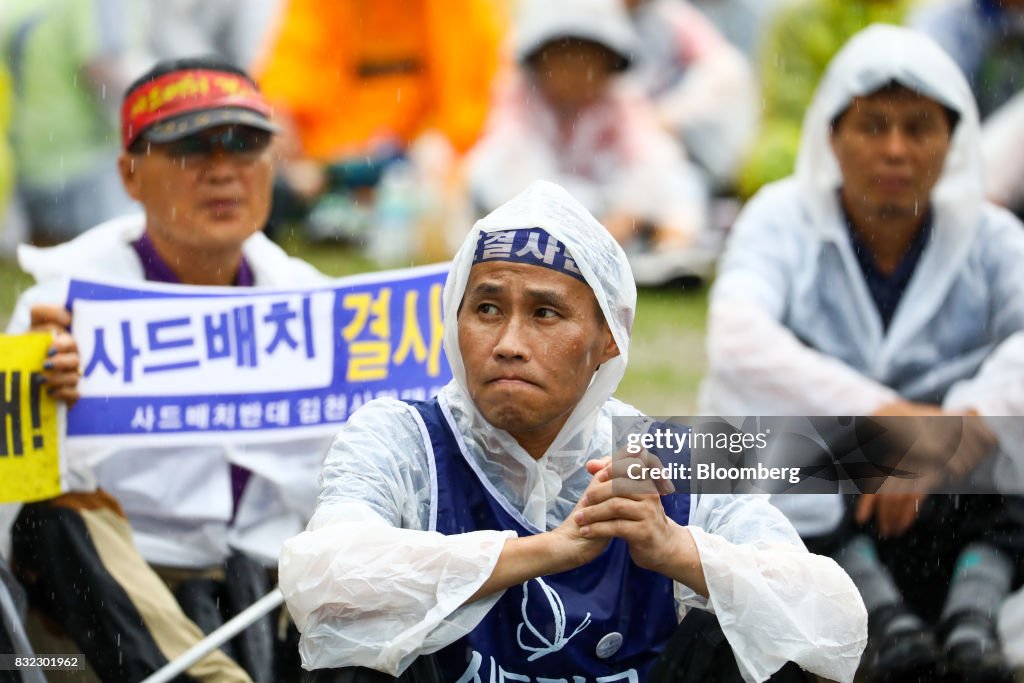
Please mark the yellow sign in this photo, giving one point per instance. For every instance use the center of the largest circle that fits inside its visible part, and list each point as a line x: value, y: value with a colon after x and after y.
x: 29, y: 436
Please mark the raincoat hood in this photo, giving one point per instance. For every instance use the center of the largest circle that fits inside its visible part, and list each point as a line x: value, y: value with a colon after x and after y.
x: 605, y: 269
x: 600, y: 21
x: 873, y: 58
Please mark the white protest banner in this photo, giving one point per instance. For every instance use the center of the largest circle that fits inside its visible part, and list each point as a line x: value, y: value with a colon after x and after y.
x: 165, y: 363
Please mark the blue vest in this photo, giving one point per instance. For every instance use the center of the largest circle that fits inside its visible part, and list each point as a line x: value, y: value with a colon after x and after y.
x: 606, y: 621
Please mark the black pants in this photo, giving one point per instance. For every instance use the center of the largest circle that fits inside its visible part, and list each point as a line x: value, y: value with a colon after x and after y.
x: 922, y: 560
x: 211, y: 602
x: 54, y: 557
x: 75, y: 557
x: 697, y: 653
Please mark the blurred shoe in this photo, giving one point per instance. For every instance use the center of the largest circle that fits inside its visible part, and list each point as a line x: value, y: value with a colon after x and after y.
x: 971, y: 663
x: 973, y: 651
x: 907, y: 657
x: 901, y: 649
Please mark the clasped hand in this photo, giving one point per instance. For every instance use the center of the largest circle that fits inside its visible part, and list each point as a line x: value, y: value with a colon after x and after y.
x: 615, y: 505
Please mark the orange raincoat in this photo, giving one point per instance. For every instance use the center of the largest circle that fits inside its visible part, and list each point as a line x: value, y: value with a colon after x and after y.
x: 350, y: 72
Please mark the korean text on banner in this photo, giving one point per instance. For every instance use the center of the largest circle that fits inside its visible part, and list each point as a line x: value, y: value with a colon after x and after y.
x: 209, y: 365
x: 29, y: 432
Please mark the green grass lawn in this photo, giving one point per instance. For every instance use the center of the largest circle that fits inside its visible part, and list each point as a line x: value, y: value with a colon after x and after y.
x: 667, y: 356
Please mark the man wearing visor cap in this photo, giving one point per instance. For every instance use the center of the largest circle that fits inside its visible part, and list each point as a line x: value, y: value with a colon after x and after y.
x: 196, y: 137
x: 483, y: 525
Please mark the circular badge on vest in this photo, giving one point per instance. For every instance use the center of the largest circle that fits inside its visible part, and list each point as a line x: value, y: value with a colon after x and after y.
x: 609, y: 645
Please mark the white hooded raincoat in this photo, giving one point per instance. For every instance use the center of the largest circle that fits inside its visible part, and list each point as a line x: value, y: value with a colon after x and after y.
x: 370, y: 584
x: 793, y: 329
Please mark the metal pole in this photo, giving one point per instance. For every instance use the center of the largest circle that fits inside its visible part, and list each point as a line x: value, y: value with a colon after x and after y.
x: 244, y: 619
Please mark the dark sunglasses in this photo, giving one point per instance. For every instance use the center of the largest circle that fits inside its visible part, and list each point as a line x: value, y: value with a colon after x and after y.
x: 236, y: 141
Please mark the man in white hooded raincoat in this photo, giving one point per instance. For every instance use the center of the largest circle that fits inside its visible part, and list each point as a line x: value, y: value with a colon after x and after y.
x: 459, y: 525
x: 878, y: 281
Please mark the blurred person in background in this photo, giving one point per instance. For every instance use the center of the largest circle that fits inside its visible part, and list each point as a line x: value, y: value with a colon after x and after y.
x: 877, y: 281
x: 986, y: 39
x: 568, y: 116
x: 11, y: 219
x: 355, y: 84
x: 702, y: 88
x: 13, y: 602
x: 12, y: 597
x: 798, y: 45
x: 235, y: 30
x: 742, y: 22
x: 1002, y: 142
x: 6, y: 156
x: 70, y: 61
x: 196, y: 154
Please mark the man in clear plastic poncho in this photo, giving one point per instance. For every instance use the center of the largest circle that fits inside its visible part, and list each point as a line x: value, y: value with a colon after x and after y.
x: 877, y: 281
x: 459, y: 526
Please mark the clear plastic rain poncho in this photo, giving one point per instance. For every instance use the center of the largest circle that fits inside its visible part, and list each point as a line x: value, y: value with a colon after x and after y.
x: 789, y: 261
x: 371, y: 584
x: 792, y: 327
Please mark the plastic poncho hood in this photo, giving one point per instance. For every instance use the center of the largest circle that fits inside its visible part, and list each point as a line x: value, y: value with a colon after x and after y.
x: 605, y: 269
x: 872, y: 59
x: 604, y: 22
